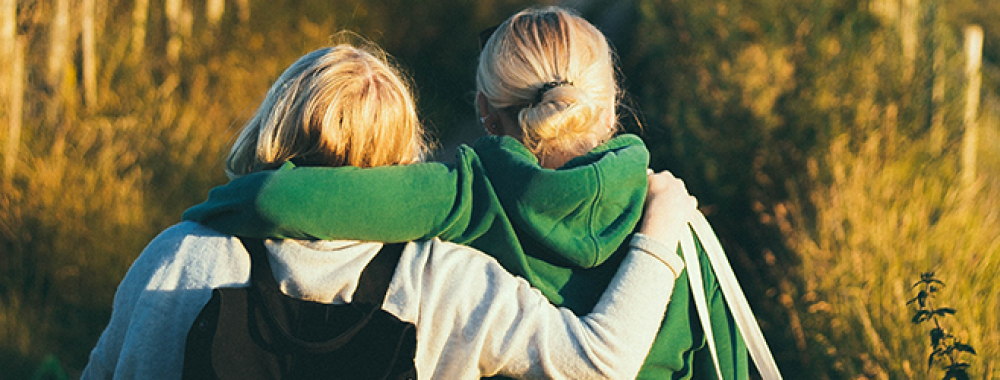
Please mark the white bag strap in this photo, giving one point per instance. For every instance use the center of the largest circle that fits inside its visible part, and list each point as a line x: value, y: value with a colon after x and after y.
x: 698, y: 290
x: 735, y: 299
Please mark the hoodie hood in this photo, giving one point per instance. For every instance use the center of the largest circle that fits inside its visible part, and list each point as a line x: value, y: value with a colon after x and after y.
x: 581, y: 212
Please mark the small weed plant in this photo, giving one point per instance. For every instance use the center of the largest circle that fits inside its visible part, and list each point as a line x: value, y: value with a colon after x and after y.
x: 947, y: 349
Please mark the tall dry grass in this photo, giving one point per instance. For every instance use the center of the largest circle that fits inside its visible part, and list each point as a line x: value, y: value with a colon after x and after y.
x: 828, y: 138
x: 104, y: 163
x: 889, y: 209
x: 888, y: 199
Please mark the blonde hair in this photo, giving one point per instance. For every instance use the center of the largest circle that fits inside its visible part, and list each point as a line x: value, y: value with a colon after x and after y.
x: 336, y: 106
x: 557, y: 71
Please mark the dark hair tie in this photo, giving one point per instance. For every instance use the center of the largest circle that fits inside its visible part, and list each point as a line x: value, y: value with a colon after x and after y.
x: 548, y: 86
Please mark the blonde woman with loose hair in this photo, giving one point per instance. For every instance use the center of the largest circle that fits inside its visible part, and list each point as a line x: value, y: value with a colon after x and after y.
x: 553, y: 192
x: 346, y: 107
x: 337, y: 106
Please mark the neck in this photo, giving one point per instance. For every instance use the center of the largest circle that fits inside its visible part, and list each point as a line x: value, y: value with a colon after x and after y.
x: 554, y: 160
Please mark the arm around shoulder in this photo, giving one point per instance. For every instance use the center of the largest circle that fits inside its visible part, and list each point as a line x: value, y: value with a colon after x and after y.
x: 388, y: 203
x: 480, y: 320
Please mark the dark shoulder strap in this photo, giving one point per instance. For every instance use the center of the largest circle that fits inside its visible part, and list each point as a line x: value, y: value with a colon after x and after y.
x: 261, y: 275
x: 377, y: 275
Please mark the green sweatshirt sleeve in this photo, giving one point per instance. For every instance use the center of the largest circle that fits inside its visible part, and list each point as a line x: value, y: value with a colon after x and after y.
x: 390, y: 203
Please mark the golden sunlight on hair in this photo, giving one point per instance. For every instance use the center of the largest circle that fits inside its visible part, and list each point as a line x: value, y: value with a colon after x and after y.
x: 554, y: 72
x: 338, y: 106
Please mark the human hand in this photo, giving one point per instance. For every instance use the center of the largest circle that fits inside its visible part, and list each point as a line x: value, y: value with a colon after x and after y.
x: 668, y: 207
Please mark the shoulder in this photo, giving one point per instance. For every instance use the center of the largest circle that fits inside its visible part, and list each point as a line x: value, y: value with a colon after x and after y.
x: 186, y: 233
x: 189, y: 251
x: 623, y: 152
x: 433, y: 274
x: 183, y: 239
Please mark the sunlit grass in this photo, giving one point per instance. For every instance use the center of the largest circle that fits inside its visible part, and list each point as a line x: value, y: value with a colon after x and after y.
x: 891, y: 211
x: 93, y: 185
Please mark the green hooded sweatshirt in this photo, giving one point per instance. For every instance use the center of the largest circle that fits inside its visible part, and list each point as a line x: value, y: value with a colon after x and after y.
x: 561, y: 229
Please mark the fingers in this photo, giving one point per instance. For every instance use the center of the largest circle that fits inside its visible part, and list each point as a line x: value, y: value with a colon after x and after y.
x: 668, y: 205
x: 664, y: 184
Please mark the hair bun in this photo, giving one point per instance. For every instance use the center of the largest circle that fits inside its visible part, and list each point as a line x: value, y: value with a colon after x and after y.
x: 563, y: 117
x: 526, y: 66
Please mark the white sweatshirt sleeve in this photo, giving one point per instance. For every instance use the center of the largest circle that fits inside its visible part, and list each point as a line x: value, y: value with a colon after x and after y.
x: 159, y: 299
x: 468, y: 309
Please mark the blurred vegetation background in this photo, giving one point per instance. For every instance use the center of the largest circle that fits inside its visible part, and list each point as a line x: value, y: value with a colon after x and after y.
x: 840, y: 148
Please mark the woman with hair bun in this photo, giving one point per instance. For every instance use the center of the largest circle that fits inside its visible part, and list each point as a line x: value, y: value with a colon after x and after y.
x: 557, y: 96
x: 553, y: 192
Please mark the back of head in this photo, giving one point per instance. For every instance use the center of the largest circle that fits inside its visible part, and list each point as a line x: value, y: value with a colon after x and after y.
x: 336, y: 106
x: 557, y: 72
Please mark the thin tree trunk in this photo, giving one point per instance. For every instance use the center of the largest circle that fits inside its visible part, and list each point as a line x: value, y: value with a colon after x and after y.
x: 14, y: 105
x: 139, y: 16
x: 89, y: 56
x: 59, y: 37
x: 974, y: 56
x: 58, y: 43
x: 909, y: 15
x: 172, y: 9
x: 214, y: 9
x: 888, y: 9
x: 8, y: 31
x: 935, y: 82
x: 244, y: 10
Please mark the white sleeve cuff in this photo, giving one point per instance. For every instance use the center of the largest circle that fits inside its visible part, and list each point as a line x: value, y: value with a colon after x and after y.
x: 660, y: 251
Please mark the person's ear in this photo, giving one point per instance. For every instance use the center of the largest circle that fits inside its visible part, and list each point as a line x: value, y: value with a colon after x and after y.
x: 487, y: 118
